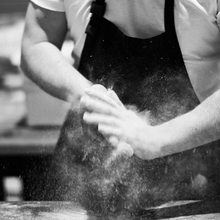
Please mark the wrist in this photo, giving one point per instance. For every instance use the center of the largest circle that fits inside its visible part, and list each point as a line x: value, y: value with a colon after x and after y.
x: 163, y: 139
x: 149, y: 143
x: 76, y: 94
x: 175, y: 136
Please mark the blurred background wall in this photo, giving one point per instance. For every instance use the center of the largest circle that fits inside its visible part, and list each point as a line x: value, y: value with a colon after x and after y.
x: 12, y: 94
x: 13, y: 107
x: 30, y: 119
x: 42, y: 109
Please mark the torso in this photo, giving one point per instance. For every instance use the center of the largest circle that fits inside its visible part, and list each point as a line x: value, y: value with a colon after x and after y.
x: 194, y: 21
x: 150, y: 75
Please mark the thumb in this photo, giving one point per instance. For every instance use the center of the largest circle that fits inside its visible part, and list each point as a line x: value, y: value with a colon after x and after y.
x: 114, y: 96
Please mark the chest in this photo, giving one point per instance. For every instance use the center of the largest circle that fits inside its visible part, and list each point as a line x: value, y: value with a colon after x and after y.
x: 137, y: 18
x: 145, y: 18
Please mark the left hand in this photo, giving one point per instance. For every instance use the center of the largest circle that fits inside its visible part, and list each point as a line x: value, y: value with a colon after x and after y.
x: 114, y: 120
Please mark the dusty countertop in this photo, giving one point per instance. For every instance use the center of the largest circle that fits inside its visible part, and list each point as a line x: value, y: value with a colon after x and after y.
x: 200, y: 210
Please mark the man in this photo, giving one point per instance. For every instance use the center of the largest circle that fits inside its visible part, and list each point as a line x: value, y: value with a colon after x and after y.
x: 161, y: 60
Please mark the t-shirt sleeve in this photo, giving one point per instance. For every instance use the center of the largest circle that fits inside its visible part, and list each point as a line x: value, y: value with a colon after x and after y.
x: 54, y: 5
x: 218, y: 13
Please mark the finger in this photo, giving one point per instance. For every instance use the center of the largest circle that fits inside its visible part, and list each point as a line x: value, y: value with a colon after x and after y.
x: 102, y: 96
x: 125, y: 148
x: 94, y: 118
x: 82, y: 101
x: 94, y: 105
x: 113, y: 140
x: 99, y: 87
x: 109, y: 130
x: 114, y: 96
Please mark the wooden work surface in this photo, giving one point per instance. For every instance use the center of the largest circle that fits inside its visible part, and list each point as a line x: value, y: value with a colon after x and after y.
x: 202, y: 210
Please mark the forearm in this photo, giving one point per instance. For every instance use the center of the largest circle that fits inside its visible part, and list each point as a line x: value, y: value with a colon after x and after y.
x: 46, y: 66
x: 196, y: 128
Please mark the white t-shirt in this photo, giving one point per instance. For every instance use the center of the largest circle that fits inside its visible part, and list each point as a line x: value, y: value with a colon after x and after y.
x: 197, y: 25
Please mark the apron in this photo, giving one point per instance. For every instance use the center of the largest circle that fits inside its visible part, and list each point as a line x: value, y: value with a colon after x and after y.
x: 150, y: 77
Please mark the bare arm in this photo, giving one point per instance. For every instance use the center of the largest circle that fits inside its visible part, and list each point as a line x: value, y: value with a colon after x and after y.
x: 41, y: 58
x: 198, y: 127
x: 195, y: 128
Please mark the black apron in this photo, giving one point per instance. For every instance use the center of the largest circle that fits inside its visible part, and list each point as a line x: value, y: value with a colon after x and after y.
x: 148, y: 75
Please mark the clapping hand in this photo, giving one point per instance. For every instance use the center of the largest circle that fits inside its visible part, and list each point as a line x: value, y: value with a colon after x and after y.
x: 120, y: 125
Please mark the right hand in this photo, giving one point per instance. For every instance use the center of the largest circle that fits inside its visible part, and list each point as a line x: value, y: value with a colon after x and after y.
x: 121, y: 146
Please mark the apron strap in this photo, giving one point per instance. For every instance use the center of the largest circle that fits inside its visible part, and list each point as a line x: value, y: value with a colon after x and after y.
x: 169, y: 22
x: 98, y: 10
x: 169, y: 17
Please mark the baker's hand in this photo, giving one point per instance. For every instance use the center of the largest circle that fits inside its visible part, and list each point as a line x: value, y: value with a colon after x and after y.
x: 114, y: 120
x: 120, y: 146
